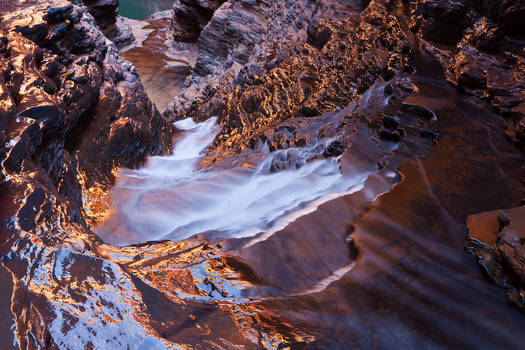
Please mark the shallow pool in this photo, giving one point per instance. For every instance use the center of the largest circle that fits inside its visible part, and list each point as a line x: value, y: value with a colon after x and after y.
x: 140, y: 9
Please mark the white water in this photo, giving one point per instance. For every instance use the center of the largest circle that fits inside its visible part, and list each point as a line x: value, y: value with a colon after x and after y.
x: 170, y: 198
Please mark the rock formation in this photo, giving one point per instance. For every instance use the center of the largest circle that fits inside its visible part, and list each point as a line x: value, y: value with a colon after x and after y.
x: 254, y: 76
x: 315, y: 57
x: 483, y: 53
x: 496, y: 239
x: 190, y: 17
x: 415, y: 100
x: 105, y: 13
x: 322, y: 54
x: 73, y: 112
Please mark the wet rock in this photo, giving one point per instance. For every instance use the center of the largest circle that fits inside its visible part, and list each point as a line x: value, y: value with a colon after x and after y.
x: 294, y: 78
x: 308, y: 112
x: 318, y: 34
x: 335, y: 149
x: 285, y: 83
x: 496, y: 238
x: 394, y: 135
x: 391, y: 122
x: 428, y: 133
x: 35, y: 32
x: 59, y: 31
x: 443, y: 21
x: 418, y: 110
x: 481, y: 65
x: 503, y: 220
x: 472, y: 78
x: 43, y: 113
x: 58, y: 14
x: 67, y: 124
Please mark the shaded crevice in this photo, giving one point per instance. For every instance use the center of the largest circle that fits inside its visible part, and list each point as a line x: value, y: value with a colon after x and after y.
x: 75, y: 136
x: 190, y: 18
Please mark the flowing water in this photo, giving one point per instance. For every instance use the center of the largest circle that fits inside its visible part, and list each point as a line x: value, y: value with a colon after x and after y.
x: 402, y: 280
x: 171, y: 198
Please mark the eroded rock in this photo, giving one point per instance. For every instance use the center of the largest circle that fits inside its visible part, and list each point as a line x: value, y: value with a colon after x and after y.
x: 278, y: 68
x: 72, y: 112
x: 497, y: 240
x: 190, y: 17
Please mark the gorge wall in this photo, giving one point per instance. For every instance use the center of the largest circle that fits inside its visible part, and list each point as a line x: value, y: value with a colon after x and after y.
x: 318, y: 55
x: 73, y: 112
x: 261, y: 63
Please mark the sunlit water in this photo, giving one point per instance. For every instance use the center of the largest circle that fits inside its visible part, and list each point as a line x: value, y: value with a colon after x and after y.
x: 171, y: 198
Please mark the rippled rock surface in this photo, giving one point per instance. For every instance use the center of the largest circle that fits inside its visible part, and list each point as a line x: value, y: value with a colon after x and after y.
x: 72, y: 112
x: 318, y: 198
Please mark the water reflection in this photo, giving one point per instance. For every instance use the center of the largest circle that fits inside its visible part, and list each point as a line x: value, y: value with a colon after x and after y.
x: 162, y: 76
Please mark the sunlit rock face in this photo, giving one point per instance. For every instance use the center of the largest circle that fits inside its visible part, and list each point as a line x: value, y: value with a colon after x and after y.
x: 315, y: 57
x: 65, y: 82
x: 72, y: 112
x: 312, y: 57
x: 318, y: 198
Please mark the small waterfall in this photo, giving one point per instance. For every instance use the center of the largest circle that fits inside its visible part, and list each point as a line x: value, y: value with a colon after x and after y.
x: 171, y: 198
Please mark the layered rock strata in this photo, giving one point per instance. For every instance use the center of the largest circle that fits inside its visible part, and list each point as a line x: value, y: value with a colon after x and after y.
x: 190, y: 17
x: 315, y: 57
x: 72, y: 112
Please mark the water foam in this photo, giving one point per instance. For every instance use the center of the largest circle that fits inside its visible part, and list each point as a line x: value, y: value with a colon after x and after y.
x: 171, y: 198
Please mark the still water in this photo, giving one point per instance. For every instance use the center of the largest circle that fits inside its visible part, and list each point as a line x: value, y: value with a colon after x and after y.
x: 162, y: 74
x: 142, y: 9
